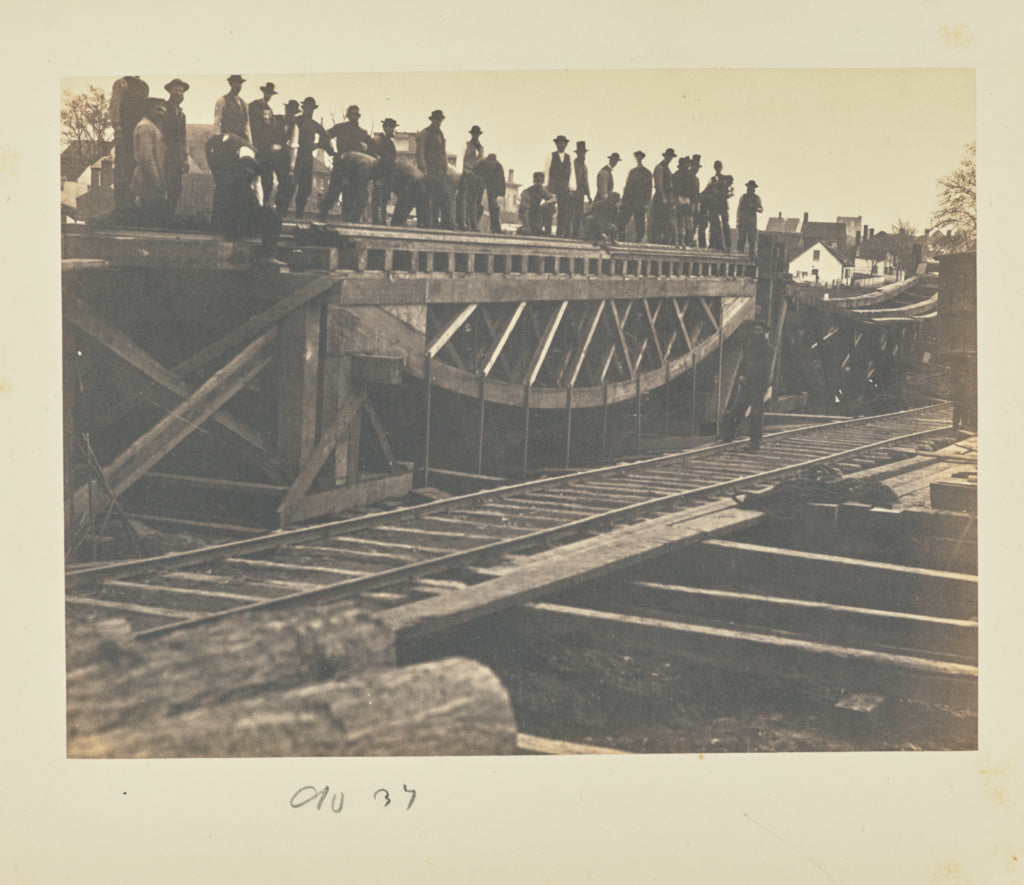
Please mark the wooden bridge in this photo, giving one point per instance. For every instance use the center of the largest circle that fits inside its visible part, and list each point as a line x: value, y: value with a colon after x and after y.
x: 379, y: 352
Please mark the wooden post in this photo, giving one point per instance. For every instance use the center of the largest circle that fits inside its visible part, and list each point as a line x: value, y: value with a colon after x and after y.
x: 604, y: 422
x: 298, y: 360
x: 568, y: 426
x: 480, y: 429
x: 718, y: 386
x: 426, y: 441
x: 639, y: 417
x: 526, y: 428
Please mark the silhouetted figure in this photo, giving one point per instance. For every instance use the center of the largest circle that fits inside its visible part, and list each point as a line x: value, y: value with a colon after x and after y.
x: 606, y: 178
x: 580, y: 195
x: 410, y: 189
x: 558, y: 169
x: 230, y: 113
x: 237, y: 210
x: 387, y: 154
x: 283, y: 145
x: 311, y: 137
x: 537, y: 207
x: 470, y: 189
x: 687, y: 194
x: 746, y: 219
x: 127, y: 103
x: 599, y: 225
x: 351, y: 175
x: 492, y: 176
x: 636, y: 198
x: 720, y: 204
x: 262, y: 122
x: 752, y: 385
x: 432, y: 160
x: 176, y: 141
x: 663, y: 206
x: 149, y: 185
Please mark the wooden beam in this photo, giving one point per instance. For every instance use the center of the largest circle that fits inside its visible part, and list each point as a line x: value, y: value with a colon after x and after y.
x: 161, y: 439
x: 93, y: 324
x: 909, y: 677
x: 358, y: 494
x: 581, y: 354
x: 318, y: 457
x: 619, y: 336
x: 707, y: 310
x: 654, y: 333
x: 382, y: 437
x: 258, y: 324
x: 434, y: 347
x: 544, y: 345
x: 296, y: 370
x: 497, y: 348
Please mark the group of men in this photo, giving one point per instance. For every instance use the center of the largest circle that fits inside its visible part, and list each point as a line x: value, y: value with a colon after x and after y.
x: 678, y: 211
x: 263, y: 161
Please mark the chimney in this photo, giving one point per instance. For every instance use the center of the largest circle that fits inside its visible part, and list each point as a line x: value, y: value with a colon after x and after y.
x: 805, y: 218
x: 94, y: 179
x: 871, y: 232
x: 107, y: 172
x: 780, y: 215
x: 510, y: 171
x: 927, y: 231
x: 865, y: 236
x: 857, y: 241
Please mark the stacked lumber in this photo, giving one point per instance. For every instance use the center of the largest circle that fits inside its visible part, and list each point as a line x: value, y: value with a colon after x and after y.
x: 275, y: 683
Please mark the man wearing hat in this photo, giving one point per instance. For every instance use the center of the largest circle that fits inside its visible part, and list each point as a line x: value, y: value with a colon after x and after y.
x: 605, y: 178
x: 636, y: 198
x: 663, y: 216
x: 387, y: 154
x: 581, y: 178
x: 230, y: 113
x: 237, y: 210
x: 470, y: 190
x: 537, y: 208
x: 284, y: 153
x: 746, y: 219
x: 722, y: 191
x: 492, y: 177
x: 686, y: 191
x: 432, y: 160
x: 751, y: 386
x: 175, y: 141
x: 558, y: 170
x: 148, y: 184
x: 311, y: 135
x: 127, y: 102
x: 350, y: 136
x: 262, y: 124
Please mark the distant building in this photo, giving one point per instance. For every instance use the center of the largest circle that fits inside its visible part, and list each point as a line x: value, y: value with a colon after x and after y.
x: 819, y: 265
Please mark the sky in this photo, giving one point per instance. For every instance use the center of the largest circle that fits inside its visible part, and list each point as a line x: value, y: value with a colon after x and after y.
x: 829, y: 142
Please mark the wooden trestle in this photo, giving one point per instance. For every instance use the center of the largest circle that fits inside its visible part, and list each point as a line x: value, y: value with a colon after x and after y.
x: 284, y: 373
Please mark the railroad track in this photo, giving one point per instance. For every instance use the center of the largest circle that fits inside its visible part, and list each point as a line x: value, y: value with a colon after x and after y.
x: 388, y: 559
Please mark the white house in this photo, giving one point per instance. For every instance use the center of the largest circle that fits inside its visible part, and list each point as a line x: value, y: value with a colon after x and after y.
x: 819, y: 265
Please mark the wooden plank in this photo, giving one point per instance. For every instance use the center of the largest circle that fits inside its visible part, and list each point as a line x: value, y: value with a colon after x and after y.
x: 584, y: 348
x: 568, y: 566
x: 908, y: 677
x: 131, y: 608
x: 840, y: 579
x: 161, y: 439
x: 501, y: 340
x: 254, y: 327
x: 317, y: 458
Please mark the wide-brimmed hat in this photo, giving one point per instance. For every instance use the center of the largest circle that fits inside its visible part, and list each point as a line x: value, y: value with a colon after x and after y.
x: 639, y: 154
x: 236, y: 78
x: 669, y: 153
x: 292, y: 104
x: 351, y: 108
x: 268, y: 89
x: 614, y: 156
x: 388, y: 121
x: 560, y: 138
x: 476, y: 130
x: 437, y: 115
x: 176, y: 82
x: 751, y: 183
x: 309, y: 102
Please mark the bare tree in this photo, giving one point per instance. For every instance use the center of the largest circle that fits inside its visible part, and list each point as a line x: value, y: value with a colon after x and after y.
x: 957, y: 213
x: 85, y: 119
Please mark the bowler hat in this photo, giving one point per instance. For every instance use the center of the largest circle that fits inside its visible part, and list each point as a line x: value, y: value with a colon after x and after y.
x: 291, y: 105
x: 176, y: 82
x: 309, y: 102
x: 751, y: 183
x: 236, y: 78
x: 669, y: 153
x: 388, y: 121
x: 614, y: 156
x: 437, y: 115
x: 476, y: 130
x: 268, y: 89
x: 639, y: 154
x: 561, y: 138
x: 581, y: 147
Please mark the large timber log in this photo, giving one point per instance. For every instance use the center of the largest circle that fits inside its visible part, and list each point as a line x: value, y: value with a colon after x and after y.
x: 452, y: 707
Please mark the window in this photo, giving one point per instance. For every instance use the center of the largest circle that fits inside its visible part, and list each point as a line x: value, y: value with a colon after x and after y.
x: 816, y: 255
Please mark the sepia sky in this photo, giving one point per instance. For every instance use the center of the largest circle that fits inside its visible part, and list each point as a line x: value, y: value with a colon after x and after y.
x: 829, y: 142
